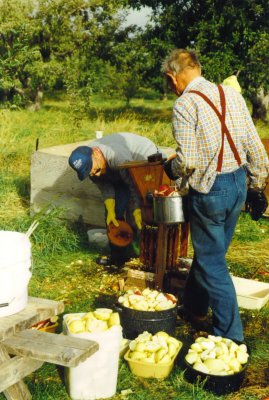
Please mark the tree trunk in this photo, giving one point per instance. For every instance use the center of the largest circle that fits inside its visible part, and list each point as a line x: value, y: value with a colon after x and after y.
x: 260, y: 102
x: 36, y: 98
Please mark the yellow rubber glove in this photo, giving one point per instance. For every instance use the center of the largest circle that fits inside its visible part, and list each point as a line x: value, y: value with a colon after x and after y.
x: 111, y: 216
x: 138, y: 218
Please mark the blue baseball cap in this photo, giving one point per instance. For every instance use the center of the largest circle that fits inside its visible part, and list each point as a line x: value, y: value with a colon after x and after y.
x: 81, y: 161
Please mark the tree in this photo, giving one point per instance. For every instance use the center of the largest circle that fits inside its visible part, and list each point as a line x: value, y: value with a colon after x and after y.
x: 130, y: 60
x: 46, y: 43
x: 231, y: 36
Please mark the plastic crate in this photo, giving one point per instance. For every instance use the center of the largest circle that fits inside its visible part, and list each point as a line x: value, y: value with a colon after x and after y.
x: 251, y: 294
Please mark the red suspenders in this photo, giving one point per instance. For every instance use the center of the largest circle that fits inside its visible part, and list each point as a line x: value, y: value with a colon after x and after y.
x: 224, y: 129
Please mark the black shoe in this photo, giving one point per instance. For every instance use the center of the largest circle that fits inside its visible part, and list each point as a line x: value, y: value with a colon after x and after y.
x: 108, y: 261
x: 199, y: 323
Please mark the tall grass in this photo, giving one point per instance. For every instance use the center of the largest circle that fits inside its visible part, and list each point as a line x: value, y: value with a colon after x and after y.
x: 63, y: 264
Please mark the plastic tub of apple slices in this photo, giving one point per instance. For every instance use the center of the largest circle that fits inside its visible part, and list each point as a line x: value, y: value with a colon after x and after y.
x: 220, y: 362
x: 96, y: 377
x: 147, y: 310
x: 152, y: 356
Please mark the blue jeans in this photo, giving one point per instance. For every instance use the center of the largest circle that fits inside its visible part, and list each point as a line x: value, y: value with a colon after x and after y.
x: 213, y: 218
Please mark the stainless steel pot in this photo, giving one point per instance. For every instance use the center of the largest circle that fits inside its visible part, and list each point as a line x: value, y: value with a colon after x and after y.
x: 169, y: 209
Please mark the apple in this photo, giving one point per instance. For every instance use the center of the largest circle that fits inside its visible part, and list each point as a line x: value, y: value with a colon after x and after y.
x: 172, y: 340
x: 72, y: 317
x: 242, y: 357
x: 150, y: 359
x: 140, y: 346
x: 172, y: 349
x: 160, y: 354
x: 199, y: 366
x: 191, y: 358
x: 164, y: 190
x: 103, y: 313
x: 88, y: 316
x: 76, y: 326
x: 217, y: 355
x: 152, y: 347
x: 214, y: 365
x: 137, y: 355
x: 96, y: 325
x: 235, y: 365
x: 158, y: 348
x: 171, y: 297
x: 147, y: 300
x: 162, y: 334
x: 165, y: 360
x: 114, y: 319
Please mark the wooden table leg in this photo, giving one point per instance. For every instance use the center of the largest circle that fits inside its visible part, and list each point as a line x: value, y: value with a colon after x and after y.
x: 12, y: 370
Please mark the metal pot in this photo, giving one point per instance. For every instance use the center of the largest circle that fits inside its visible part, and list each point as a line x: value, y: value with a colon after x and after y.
x: 217, y: 384
x: 134, y: 322
x: 170, y: 209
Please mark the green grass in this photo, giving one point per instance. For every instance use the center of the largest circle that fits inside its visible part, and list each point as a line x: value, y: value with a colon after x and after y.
x: 63, y: 264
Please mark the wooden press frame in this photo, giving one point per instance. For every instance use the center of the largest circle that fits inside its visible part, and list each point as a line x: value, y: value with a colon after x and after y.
x: 147, y: 177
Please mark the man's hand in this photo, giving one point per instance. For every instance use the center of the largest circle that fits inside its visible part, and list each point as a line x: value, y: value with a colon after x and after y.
x: 256, y: 203
x: 138, y: 218
x: 111, y: 216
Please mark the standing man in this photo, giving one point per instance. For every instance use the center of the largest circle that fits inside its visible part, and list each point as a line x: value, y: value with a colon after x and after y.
x: 101, y: 163
x: 219, y: 150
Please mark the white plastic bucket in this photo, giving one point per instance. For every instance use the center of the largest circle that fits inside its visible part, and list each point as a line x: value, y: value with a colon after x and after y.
x: 15, y: 265
x: 96, y: 377
x: 98, y: 238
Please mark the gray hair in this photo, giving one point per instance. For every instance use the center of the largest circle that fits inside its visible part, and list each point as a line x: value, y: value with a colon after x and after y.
x: 179, y: 59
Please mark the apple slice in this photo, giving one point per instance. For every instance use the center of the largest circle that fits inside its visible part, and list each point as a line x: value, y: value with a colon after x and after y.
x: 103, y: 313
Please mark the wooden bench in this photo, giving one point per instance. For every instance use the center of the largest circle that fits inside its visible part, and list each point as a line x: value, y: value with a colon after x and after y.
x: 58, y: 349
x: 31, y: 348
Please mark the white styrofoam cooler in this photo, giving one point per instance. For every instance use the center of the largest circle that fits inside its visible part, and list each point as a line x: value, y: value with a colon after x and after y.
x: 96, y: 377
x: 251, y: 294
x: 15, y: 271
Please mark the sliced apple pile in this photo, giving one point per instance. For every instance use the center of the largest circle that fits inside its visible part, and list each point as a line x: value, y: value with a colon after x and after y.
x: 98, y: 320
x: 154, y: 349
x: 147, y: 300
x: 217, y: 355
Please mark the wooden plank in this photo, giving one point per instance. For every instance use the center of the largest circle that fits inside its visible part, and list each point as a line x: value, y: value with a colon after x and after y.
x: 37, y: 309
x: 13, y: 371
x: 46, y: 306
x: 57, y: 349
x: 10, y: 381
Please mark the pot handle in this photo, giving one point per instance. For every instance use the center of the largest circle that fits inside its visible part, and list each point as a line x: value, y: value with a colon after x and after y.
x: 117, y: 308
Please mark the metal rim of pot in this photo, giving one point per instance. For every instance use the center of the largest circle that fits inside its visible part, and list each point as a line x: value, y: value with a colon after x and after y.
x: 170, y: 209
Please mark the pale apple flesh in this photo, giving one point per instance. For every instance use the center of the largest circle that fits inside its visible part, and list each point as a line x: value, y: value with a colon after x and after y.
x: 217, y: 356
